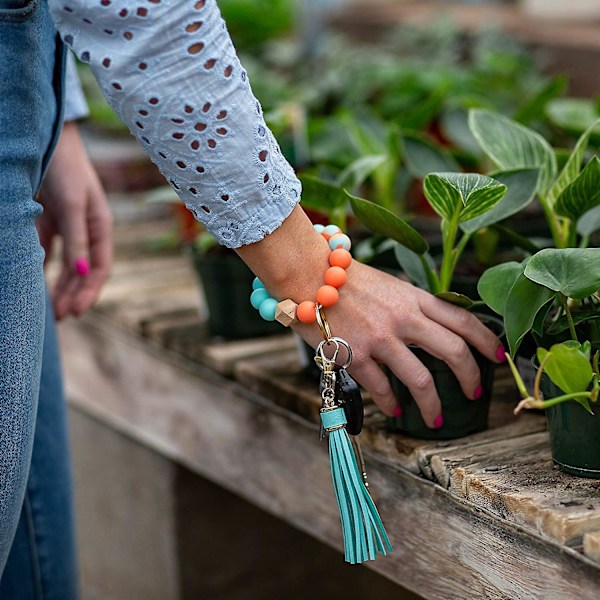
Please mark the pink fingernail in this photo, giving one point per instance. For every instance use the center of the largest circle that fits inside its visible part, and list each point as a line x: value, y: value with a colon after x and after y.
x: 439, y: 421
x: 398, y: 411
x: 478, y: 392
x: 500, y: 354
x: 82, y: 267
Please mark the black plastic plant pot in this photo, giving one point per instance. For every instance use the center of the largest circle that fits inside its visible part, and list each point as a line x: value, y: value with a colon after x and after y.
x: 574, y: 434
x: 227, y: 285
x: 462, y: 416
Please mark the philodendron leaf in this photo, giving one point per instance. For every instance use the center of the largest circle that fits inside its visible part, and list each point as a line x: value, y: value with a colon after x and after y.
x: 512, y: 145
x: 471, y: 194
x: 582, y: 194
x: 321, y: 195
x: 457, y: 299
x: 568, y: 366
x: 494, y: 283
x: 411, y: 264
x: 575, y: 272
x: 356, y: 172
x: 521, y: 184
x: 380, y: 220
x: 590, y: 222
x: 523, y: 302
x: 421, y: 156
x: 573, y: 165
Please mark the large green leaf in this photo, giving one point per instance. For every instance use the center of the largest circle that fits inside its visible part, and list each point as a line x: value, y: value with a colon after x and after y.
x: 380, y: 220
x: 494, y: 283
x: 574, y: 114
x: 422, y: 157
x: 455, y: 125
x: 512, y: 145
x: 521, y: 185
x: 575, y: 272
x: 471, y: 194
x: 572, y: 167
x: 568, y: 366
x: 356, y: 172
x: 321, y: 195
x: 411, y: 264
x: 582, y: 194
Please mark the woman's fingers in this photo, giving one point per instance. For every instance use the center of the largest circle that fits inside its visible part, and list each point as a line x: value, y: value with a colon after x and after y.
x: 417, y: 378
x: 454, y: 351
x: 369, y: 374
x: 465, y: 324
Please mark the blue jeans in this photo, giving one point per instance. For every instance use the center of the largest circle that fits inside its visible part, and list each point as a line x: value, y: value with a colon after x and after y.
x: 30, y: 68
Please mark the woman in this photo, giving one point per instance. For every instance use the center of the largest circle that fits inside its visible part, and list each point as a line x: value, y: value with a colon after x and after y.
x: 169, y: 69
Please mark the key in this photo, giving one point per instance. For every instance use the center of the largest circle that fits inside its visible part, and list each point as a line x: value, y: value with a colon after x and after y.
x: 350, y: 399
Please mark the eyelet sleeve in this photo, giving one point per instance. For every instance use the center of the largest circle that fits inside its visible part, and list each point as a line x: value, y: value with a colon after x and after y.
x: 170, y: 71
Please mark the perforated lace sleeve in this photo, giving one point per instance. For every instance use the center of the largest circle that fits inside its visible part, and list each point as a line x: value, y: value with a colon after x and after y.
x: 169, y: 69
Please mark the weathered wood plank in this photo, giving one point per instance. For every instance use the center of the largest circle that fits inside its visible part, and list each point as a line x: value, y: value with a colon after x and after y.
x: 515, y: 479
x: 445, y: 547
x: 591, y: 545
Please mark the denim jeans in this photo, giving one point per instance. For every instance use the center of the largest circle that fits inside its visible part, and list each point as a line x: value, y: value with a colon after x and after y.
x: 30, y: 65
x: 42, y: 562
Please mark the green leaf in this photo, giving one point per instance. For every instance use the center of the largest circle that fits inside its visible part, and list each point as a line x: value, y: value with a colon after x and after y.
x: 322, y: 195
x: 471, y: 194
x: 573, y: 114
x: 457, y: 299
x: 455, y: 124
x: 568, y: 366
x: 357, y: 172
x: 582, y: 194
x: 423, y: 157
x: 521, y: 185
x: 513, y: 146
x: 380, y: 220
x: 411, y: 264
x: 589, y: 223
x: 534, y: 106
x: 523, y: 302
x: 572, y: 167
x: 579, y: 316
x: 575, y: 272
x: 492, y: 285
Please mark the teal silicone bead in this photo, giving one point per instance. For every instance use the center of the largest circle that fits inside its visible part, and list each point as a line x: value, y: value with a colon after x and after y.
x: 319, y: 228
x: 258, y: 296
x: 257, y: 284
x: 267, y: 309
x: 331, y: 229
x: 340, y: 240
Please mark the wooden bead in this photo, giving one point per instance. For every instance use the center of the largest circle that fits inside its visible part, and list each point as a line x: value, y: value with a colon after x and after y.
x: 306, y: 312
x: 336, y: 276
x: 285, y: 312
x: 327, y: 296
x: 340, y: 258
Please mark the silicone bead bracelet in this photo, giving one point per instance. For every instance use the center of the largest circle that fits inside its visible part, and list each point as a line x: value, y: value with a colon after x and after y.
x: 287, y: 311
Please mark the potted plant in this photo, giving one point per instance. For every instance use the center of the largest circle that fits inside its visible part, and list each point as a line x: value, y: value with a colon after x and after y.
x: 554, y: 295
x: 464, y: 202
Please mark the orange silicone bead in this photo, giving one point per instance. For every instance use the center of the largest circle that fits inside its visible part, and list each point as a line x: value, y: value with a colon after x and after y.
x: 306, y: 312
x: 327, y: 296
x: 336, y: 277
x: 340, y: 258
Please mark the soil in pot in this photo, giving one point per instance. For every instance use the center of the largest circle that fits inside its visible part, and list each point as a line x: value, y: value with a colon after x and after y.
x: 574, y: 434
x: 227, y: 285
x: 462, y: 416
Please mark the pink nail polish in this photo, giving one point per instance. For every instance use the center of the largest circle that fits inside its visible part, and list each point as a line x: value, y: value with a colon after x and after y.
x: 398, y: 411
x: 82, y: 267
x: 478, y: 392
x: 439, y: 421
x: 500, y: 354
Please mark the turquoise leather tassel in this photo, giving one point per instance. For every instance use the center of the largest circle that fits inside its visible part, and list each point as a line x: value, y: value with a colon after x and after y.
x: 363, y: 531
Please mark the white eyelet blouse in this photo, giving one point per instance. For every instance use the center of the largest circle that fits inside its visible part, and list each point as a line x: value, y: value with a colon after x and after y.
x: 169, y: 69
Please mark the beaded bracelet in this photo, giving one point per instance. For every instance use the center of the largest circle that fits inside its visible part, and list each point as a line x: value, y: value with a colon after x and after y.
x: 287, y: 311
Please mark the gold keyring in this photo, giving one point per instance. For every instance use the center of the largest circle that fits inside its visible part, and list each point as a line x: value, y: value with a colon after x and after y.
x: 323, y: 323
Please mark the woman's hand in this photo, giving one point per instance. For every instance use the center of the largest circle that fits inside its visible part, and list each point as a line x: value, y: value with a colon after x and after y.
x: 76, y: 209
x: 378, y: 315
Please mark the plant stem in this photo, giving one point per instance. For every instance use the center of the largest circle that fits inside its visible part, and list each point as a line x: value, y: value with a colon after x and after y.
x: 449, y: 231
x: 432, y: 277
x: 551, y: 218
x: 569, y: 316
x: 538, y: 378
x: 565, y: 397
